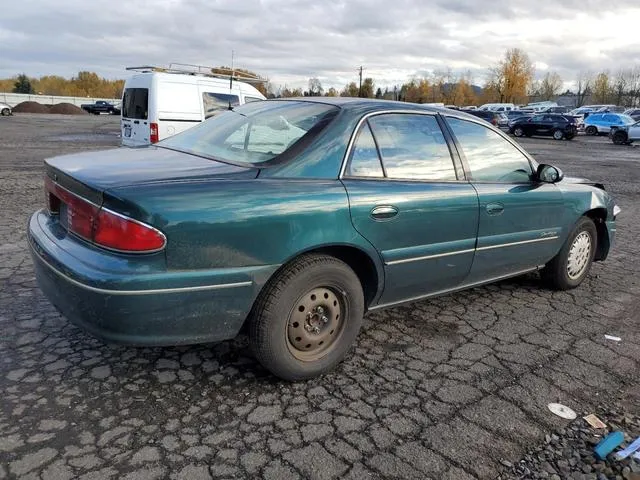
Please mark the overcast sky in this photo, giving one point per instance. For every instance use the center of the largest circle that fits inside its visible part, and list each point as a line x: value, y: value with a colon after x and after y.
x: 290, y: 41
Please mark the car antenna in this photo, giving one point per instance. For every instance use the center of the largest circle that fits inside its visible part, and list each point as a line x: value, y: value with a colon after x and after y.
x: 231, y: 81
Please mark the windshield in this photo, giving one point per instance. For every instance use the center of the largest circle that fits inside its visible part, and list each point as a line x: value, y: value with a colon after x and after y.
x: 627, y: 119
x: 253, y: 133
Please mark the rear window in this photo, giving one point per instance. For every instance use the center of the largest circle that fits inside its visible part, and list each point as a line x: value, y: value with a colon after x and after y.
x: 218, y: 102
x: 135, y: 103
x: 253, y: 133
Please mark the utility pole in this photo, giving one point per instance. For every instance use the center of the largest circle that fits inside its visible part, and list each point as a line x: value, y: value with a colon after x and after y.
x: 360, y: 88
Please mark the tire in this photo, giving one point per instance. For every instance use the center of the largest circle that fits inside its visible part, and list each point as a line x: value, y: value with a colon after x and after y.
x: 5, y: 112
x: 619, y: 138
x: 571, y: 136
x: 518, y: 131
x: 313, y: 300
x: 559, y: 273
x: 591, y: 130
x: 558, y: 134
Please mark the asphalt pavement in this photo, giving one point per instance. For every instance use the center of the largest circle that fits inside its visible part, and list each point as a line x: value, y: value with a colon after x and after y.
x: 443, y: 389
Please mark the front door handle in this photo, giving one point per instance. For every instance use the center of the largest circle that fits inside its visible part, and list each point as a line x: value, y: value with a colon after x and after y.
x: 384, y: 212
x: 494, y: 208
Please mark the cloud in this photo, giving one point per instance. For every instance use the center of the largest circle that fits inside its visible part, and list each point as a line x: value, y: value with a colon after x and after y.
x: 290, y: 41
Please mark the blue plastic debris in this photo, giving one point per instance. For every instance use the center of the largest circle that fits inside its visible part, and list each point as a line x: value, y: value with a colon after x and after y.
x: 608, y: 444
x: 633, y: 448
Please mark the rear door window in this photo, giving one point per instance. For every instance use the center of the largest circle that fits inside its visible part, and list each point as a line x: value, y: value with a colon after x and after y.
x: 413, y: 147
x: 135, y: 103
x: 214, y: 103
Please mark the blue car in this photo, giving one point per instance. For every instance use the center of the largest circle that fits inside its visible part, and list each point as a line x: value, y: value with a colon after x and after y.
x: 598, y: 123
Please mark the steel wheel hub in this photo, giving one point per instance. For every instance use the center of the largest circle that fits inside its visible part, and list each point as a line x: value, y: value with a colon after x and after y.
x: 579, y: 255
x: 314, y: 323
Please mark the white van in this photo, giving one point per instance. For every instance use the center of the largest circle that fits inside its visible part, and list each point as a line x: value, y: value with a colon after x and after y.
x: 498, y: 107
x: 158, y: 103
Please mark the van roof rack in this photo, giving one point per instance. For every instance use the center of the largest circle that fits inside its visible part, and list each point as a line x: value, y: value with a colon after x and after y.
x: 201, y: 70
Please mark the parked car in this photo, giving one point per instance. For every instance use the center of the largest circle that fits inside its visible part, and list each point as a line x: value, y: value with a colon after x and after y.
x: 557, y: 126
x: 633, y: 113
x: 598, y: 123
x: 287, y: 217
x: 626, y: 134
x: 5, y: 109
x: 159, y: 102
x: 494, y: 118
x: 557, y: 109
x: 498, y: 107
x: 99, y: 107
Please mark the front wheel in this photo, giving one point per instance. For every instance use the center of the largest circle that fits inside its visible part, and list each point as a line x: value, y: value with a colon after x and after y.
x: 518, y: 131
x: 619, y: 138
x: 571, y: 265
x: 307, y: 317
x: 5, y: 112
x: 591, y: 130
x: 558, y: 134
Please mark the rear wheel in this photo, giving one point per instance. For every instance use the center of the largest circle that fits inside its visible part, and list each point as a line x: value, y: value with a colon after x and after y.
x: 558, y: 134
x: 307, y: 317
x: 619, y: 138
x: 5, y: 112
x: 518, y: 131
x: 591, y: 130
x: 571, y: 265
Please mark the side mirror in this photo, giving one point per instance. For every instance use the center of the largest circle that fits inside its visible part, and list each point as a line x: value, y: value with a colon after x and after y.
x: 549, y: 173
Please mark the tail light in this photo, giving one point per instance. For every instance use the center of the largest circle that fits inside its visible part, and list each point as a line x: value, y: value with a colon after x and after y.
x: 153, y: 133
x: 101, y: 226
x: 494, y: 122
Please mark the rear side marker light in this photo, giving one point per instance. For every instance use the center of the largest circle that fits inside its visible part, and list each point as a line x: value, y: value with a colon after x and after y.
x: 101, y: 226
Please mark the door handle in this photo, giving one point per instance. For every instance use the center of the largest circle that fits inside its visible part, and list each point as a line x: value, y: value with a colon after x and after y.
x: 494, y: 208
x: 384, y: 212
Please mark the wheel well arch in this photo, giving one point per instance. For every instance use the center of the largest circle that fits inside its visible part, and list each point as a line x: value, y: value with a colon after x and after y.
x: 599, y: 217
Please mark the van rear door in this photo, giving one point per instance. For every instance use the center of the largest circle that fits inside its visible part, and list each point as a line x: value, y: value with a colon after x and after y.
x: 135, y: 126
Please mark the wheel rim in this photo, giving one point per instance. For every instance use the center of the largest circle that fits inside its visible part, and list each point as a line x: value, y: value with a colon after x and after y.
x: 518, y: 132
x: 315, y: 323
x: 557, y: 135
x: 579, y: 255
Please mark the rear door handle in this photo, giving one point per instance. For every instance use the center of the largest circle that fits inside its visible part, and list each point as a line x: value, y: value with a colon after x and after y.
x: 494, y: 208
x: 384, y: 212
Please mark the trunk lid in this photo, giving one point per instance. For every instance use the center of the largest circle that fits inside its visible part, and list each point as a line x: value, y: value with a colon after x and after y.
x: 88, y: 174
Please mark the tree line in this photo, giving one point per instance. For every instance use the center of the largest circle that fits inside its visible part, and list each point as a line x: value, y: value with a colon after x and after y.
x: 510, y: 80
x: 84, y: 84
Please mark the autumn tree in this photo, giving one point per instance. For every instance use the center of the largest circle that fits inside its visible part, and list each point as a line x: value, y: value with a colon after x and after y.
x: 23, y: 84
x: 601, y: 88
x: 512, y: 76
x: 368, y: 88
x: 350, y: 90
x: 332, y: 92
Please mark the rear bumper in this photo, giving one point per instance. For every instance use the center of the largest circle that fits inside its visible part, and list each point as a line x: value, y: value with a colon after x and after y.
x: 136, y: 308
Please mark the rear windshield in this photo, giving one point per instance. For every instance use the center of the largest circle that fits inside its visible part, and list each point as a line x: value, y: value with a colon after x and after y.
x: 135, y: 103
x: 253, y: 133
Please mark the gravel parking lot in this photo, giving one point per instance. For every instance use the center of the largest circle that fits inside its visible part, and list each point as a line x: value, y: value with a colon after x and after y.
x: 451, y: 388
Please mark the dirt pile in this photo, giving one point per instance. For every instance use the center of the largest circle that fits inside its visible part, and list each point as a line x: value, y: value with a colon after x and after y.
x: 67, y: 109
x: 30, y: 107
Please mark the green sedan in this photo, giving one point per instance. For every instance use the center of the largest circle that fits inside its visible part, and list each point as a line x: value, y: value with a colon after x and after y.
x: 292, y: 218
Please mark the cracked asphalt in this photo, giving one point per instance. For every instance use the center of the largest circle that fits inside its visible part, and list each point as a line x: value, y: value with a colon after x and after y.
x: 440, y: 389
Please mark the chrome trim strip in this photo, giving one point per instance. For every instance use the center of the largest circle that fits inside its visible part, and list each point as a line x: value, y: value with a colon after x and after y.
x: 429, y: 257
x: 455, y: 289
x: 459, y: 252
x: 352, y: 139
x: 523, y: 242
x: 141, y: 292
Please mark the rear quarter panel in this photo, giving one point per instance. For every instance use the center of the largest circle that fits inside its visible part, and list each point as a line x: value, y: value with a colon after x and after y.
x: 221, y: 224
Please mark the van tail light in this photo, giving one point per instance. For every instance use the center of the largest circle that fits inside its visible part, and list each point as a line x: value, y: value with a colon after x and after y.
x: 100, y: 226
x: 153, y: 133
